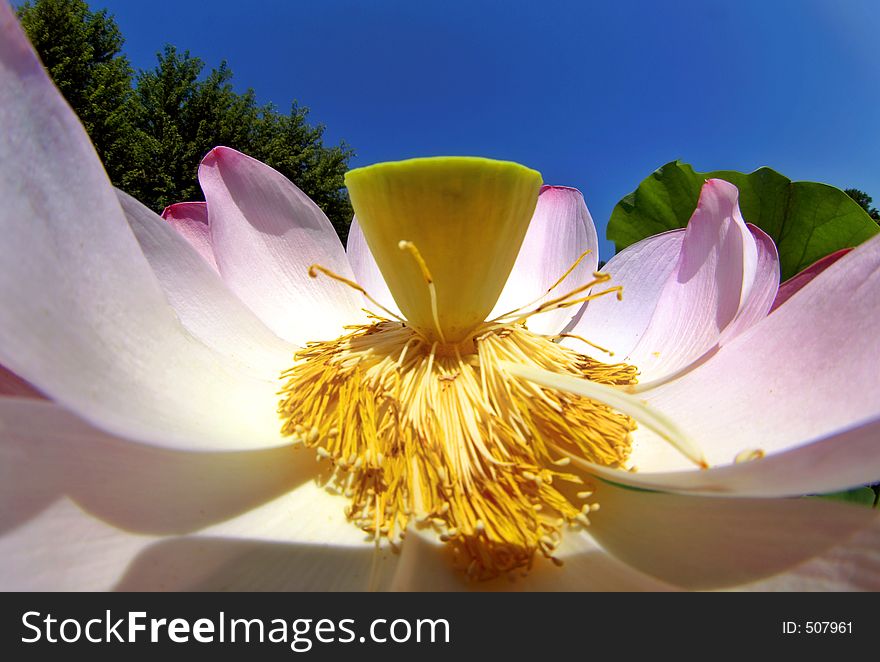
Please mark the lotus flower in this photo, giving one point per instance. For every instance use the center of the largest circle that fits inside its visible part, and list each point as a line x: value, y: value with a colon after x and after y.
x: 139, y: 419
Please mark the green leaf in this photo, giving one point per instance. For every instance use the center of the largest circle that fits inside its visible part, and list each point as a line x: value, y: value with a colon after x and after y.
x: 807, y: 220
x: 863, y: 496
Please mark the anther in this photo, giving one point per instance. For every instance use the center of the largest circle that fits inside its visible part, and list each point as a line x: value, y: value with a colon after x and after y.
x: 585, y: 341
x: 749, y: 455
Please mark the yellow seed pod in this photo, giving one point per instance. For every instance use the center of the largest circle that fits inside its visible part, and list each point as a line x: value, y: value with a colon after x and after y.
x: 454, y: 224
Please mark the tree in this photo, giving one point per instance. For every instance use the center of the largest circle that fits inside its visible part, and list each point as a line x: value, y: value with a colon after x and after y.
x: 180, y: 118
x: 152, y: 131
x: 865, y: 201
x: 182, y: 115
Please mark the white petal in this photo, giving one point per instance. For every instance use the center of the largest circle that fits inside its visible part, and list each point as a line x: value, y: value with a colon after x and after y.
x: 135, y: 487
x: 846, y: 459
x: 63, y: 548
x: 203, y: 303
x: 560, y: 231
x: 81, y: 510
x: 851, y: 566
x: 204, y: 563
x: 266, y: 233
x: 705, y: 542
x: 84, y: 319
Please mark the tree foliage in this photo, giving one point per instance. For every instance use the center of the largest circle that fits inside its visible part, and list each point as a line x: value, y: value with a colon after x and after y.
x: 152, y: 129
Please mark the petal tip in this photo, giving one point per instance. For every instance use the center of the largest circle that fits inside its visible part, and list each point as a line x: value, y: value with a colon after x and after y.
x: 219, y: 154
x: 720, y: 186
x: 186, y: 211
x: 720, y: 195
x: 551, y: 188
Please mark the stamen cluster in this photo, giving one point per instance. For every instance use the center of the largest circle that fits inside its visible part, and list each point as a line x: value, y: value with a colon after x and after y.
x: 443, y: 436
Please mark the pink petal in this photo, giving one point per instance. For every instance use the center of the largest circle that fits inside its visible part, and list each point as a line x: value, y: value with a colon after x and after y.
x: 685, y: 292
x: 710, y: 287
x: 84, y: 318
x: 642, y: 270
x: 764, y: 287
x: 366, y: 271
x: 805, y: 372
x: 705, y: 542
x: 190, y: 219
x: 11, y: 385
x: 796, y: 282
x: 266, y: 233
x: 560, y: 231
x: 202, y: 301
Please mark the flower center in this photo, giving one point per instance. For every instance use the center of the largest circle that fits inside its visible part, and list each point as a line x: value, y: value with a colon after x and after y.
x: 445, y: 436
x: 439, y: 417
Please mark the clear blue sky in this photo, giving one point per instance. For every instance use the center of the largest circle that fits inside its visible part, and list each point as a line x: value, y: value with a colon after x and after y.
x: 595, y: 95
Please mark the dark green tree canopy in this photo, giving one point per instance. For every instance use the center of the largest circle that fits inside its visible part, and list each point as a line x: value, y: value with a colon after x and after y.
x: 151, y: 130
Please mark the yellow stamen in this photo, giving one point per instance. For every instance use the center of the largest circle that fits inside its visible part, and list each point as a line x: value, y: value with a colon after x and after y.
x: 749, y: 455
x: 621, y: 401
x: 454, y: 439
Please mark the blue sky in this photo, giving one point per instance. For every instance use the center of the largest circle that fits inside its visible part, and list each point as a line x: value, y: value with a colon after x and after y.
x: 594, y: 95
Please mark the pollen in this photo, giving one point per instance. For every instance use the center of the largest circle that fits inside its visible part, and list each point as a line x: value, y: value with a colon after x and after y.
x: 443, y: 436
